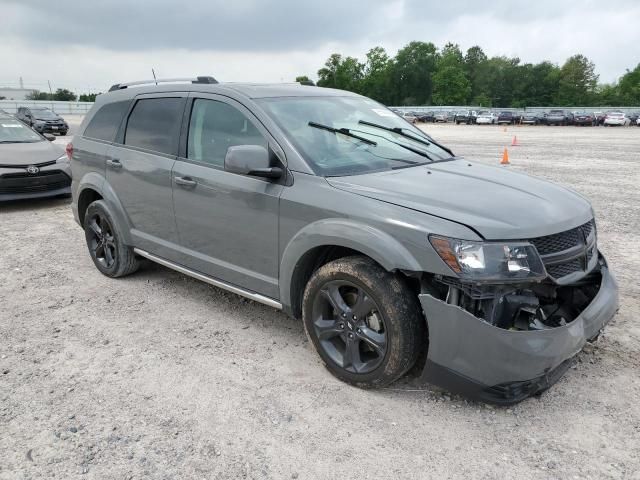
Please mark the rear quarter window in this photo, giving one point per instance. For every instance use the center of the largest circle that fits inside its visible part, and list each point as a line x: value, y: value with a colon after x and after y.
x: 104, y: 124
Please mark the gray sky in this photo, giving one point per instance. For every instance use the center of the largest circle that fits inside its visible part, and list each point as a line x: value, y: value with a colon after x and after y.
x: 86, y: 46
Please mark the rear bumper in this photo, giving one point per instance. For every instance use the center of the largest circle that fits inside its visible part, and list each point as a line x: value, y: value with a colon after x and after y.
x: 469, y: 356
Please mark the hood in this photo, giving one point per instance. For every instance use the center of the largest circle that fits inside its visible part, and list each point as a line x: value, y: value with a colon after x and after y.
x: 494, y: 201
x: 28, y: 153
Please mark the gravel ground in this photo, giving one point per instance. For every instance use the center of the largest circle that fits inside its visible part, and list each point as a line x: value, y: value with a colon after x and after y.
x: 163, y: 377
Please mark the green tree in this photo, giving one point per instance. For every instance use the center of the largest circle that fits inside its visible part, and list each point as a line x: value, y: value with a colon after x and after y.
x: 411, y: 74
x: 343, y: 73
x: 64, y: 95
x: 578, y: 82
x: 473, y: 60
x: 450, y: 83
x: 37, y: 95
x: 376, y: 81
x: 302, y: 78
x: 88, y: 97
x: 629, y: 87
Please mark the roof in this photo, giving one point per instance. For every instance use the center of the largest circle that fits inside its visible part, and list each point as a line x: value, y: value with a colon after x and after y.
x: 250, y: 90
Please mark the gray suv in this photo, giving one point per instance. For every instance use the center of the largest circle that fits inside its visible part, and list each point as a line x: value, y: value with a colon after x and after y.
x: 396, y: 254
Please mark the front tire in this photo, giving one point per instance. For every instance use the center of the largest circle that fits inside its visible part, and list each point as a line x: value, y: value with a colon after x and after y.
x: 364, y: 322
x: 109, y: 254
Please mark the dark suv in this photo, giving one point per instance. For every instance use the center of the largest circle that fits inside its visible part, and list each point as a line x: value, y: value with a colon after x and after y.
x: 329, y: 206
x: 43, y: 120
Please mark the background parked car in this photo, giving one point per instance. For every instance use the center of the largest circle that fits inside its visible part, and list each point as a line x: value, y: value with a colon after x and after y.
x: 465, y: 116
x: 600, y: 116
x: 618, y: 119
x: 559, y: 117
x: 30, y: 166
x: 585, y: 119
x: 426, y: 117
x: 486, y: 118
x: 442, y: 116
x: 530, y: 118
x: 506, y: 118
x: 409, y: 117
x: 633, y: 117
x: 43, y: 120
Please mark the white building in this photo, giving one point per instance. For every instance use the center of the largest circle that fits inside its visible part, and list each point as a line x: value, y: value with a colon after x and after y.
x: 15, y: 93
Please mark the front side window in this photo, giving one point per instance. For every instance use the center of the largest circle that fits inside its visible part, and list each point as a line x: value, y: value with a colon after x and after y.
x: 214, y: 127
x: 154, y: 124
x: 351, y: 135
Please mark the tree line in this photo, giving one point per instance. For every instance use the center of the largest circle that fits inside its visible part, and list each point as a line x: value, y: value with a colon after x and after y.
x: 62, y: 95
x: 422, y: 74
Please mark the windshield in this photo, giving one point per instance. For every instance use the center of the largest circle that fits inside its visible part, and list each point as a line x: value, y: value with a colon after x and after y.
x: 556, y: 112
x: 43, y: 113
x: 13, y: 131
x: 350, y: 135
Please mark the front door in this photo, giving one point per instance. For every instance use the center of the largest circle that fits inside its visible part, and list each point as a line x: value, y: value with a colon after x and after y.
x: 227, y: 223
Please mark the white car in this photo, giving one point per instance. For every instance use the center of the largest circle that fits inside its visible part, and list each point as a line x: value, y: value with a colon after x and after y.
x: 486, y: 118
x: 638, y: 122
x: 616, y: 118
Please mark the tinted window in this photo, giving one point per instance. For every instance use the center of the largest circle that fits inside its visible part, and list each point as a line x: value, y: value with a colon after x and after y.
x: 154, y: 124
x: 216, y: 126
x: 106, y: 121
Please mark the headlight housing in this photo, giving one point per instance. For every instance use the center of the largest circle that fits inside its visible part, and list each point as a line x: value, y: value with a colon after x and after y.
x: 490, y: 261
x: 62, y: 159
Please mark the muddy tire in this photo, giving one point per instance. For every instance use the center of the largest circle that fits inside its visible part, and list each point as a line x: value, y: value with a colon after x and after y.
x: 364, y: 322
x: 104, y: 239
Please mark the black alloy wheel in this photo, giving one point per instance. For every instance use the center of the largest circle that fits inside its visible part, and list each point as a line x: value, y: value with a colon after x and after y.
x: 101, y: 240
x: 350, y: 327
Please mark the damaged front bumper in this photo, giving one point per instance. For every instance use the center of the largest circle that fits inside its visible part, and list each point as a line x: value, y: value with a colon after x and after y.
x: 470, y: 356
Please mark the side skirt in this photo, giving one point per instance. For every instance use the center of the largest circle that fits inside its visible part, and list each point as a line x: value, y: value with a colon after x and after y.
x: 210, y: 280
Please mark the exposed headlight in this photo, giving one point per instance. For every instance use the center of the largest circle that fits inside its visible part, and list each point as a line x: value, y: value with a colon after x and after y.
x: 490, y: 261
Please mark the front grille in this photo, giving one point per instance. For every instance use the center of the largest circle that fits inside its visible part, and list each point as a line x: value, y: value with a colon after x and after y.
x: 553, y: 246
x: 16, y: 183
x: 563, y: 269
x: 562, y: 241
x: 25, y: 165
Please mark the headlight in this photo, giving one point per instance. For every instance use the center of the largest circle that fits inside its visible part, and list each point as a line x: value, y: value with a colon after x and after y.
x: 490, y: 261
x: 62, y: 159
x: 38, y: 122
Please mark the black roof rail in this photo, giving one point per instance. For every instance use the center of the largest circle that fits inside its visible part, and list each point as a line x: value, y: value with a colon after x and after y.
x: 199, y: 79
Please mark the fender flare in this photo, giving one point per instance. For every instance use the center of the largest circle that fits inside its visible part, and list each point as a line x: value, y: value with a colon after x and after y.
x: 97, y: 182
x: 379, y: 245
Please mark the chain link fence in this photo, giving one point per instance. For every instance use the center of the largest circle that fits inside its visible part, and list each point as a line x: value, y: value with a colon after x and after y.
x: 61, y: 108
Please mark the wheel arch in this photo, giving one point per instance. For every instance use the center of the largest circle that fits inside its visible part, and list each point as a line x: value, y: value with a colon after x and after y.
x: 327, y: 240
x: 94, y: 187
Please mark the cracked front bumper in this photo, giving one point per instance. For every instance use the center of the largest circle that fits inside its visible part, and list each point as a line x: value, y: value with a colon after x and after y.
x: 469, y: 356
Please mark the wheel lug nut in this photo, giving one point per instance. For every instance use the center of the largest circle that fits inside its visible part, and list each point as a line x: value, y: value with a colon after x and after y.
x: 359, y: 331
x: 344, y: 315
x: 341, y: 325
x: 351, y: 335
x: 355, y: 318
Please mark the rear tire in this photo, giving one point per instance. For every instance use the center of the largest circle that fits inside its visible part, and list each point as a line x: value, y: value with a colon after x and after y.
x: 104, y: 239
x: 364, y: 322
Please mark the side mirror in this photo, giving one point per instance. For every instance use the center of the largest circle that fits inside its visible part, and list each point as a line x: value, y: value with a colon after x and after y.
x: 250, y: 160
x: 49, y: 137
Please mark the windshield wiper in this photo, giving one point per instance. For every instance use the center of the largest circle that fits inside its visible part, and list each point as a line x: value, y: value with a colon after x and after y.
x: 417, y: 151
x: 398, y: 130
x: 342, y: 131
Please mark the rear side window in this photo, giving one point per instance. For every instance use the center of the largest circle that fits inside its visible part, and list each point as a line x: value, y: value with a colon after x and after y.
x: 105, y: 123
x: 154, y: 124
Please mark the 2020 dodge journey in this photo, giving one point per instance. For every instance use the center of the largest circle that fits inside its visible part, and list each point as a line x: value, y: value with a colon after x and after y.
x: 393, y: 251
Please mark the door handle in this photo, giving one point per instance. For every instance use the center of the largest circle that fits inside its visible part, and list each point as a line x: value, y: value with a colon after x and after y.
x: 185, y: 181
x: 115, y: 164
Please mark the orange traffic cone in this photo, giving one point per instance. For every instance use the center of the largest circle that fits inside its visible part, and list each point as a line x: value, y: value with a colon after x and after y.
x: 505, y: 157
x: 514, y: 142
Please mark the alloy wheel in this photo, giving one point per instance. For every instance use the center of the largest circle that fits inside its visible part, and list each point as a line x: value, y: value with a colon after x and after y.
x: 102, y: 240
x: 349, y: 326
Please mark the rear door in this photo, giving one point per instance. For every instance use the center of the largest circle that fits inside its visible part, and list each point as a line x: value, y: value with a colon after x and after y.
x: 139, y: 170
x: 228, y: 223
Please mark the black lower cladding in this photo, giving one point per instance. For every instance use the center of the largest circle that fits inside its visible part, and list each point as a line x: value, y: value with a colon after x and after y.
x: 502, y: 394
x: 47, y: 181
